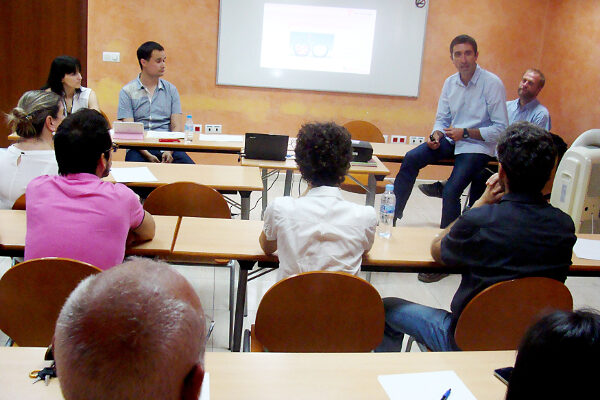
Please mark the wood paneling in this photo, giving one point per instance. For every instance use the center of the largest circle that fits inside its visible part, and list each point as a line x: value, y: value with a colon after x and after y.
x: 32, y: 34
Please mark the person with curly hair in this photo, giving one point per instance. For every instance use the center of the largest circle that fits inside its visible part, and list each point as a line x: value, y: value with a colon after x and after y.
x: 510, y: 232
x: 319, y: 230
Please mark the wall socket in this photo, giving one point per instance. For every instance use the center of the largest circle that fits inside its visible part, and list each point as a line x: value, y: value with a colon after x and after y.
x: 398, y: 139
x: 111, y: 56
x: 417, y: 140
x: 213, y: 128
x: 197, y: 128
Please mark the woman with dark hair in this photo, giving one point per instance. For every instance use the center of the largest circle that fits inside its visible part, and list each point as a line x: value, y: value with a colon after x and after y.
x: 64, y: 79
x: 35, y: 117
x: 319, y: 230
x: 559, y: 358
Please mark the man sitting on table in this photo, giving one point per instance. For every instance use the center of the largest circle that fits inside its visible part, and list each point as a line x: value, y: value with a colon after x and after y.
x: 75, y: 214
x: 510, y: 232
x: 133, y: 332
x: 319, y: 230
x: 154, y: 102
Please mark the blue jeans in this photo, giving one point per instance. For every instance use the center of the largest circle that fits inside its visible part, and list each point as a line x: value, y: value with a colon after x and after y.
x: 430, y: 326
x: 179, y: 157
x: 466, y: 167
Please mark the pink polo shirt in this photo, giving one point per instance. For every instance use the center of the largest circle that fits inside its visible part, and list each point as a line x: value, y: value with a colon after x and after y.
x: 79, y: 216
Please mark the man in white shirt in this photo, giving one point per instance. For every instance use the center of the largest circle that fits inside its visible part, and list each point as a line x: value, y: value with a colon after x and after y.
x: 319, y: 230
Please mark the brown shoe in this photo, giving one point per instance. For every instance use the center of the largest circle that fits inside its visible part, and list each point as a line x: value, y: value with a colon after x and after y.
x: 431, y: 277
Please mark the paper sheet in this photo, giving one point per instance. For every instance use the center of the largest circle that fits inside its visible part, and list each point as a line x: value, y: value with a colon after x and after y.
x: 587, y: 248
x: 425, y: 386
x: 165, y: 135
x: 205, y: 389
x: 136, y: 174
x: 220, y: 138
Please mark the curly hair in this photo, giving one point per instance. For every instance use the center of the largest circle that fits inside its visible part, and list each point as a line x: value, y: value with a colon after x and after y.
x: 527, y: 155
x: 323, y: 153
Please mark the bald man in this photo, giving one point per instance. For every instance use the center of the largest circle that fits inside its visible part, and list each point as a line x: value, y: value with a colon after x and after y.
x: 135, y: 331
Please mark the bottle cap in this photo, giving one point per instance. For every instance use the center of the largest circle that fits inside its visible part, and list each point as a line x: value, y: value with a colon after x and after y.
x: 389, y: 187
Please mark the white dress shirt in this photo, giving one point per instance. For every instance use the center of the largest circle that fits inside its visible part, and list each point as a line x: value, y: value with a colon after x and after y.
x: 319, y: 231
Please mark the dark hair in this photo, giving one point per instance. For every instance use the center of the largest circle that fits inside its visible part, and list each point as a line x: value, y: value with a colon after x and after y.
x: 527, y: 155
x: 560, y: 146
x: 145, y: 51
x: 61, y: 66
x: 323, y: 153
x: 27, y: 119
x: 538, y: 72
x: 460, y: 39
x: 558, y: 358
x: 80, y: 141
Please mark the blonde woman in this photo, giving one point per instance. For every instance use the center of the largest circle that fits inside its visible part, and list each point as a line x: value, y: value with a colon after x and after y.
x: 64, y: 79
x: 35, y: 118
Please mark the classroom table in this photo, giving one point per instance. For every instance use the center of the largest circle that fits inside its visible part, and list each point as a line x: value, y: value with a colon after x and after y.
x: 288, y: 375
x: 13, y: 226
x: 197, y: 145
x: 375, y: 173
x: 408, y: 250
x: 220, y: 177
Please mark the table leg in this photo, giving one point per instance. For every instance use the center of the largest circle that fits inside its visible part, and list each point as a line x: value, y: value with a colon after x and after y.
x: 371, y: 190
x: 245, y: 203
x: 287, y: 189
x: 263, y: 172
x: 240, y: 302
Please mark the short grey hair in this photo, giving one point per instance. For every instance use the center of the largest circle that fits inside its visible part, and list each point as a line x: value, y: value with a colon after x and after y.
x: 128, y: 334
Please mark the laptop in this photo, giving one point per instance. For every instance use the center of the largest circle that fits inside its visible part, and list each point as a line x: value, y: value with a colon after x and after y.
x: 264, y: 146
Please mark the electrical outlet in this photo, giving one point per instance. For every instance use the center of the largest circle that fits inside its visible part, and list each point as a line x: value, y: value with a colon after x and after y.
x: 417, y: 140
x: 213, y: 128
x: 111, y: 56
x: 198, y: 128
x: 395, y: 139
x: 402, y: 139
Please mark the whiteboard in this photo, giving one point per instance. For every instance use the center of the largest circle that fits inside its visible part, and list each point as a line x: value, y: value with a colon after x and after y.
x: 355, y: 46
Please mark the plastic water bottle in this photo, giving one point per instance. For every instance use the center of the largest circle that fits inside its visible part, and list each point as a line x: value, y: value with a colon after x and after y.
x: 386, y: 212
x: 189, y: 129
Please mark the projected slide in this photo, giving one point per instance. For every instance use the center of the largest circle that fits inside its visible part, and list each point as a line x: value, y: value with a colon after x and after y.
x: 313, y: 38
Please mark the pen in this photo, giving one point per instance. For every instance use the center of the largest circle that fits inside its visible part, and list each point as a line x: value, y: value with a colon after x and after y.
x: 168, y: 140
x: 446, y: 395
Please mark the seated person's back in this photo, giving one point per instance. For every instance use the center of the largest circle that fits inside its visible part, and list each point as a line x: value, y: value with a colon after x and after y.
x: 36, y: 116
x: 320, y: 230
x: 75, y: 214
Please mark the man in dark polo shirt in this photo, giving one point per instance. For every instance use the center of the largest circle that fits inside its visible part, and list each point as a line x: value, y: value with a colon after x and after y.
x: 510, y: 232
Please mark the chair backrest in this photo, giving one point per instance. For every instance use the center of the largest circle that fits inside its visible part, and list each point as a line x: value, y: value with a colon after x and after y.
x: 363, y: 130
x: 106, y: 118
x: 320, y: 311
x: 187, y: 199
x: 32, y: 294
x: 19, y: 203
x: 498, y: 317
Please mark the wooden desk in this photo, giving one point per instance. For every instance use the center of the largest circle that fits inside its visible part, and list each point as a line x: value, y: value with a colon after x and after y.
x: 375, y: 173
x: 408, y: 250
x: 220, y: 177
x: 196, y: 145
x: 13, y: 226
x: 289, y: 375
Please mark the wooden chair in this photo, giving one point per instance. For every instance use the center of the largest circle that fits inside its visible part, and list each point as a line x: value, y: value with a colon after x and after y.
x: 497, y: 318
x: 19, y: 203
x: 32, y: 294
x: 189, y: 199
x: 318, y: 311
x: 363, y: 130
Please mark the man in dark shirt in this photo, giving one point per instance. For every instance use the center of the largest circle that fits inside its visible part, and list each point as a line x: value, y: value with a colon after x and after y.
x: 510, y: 232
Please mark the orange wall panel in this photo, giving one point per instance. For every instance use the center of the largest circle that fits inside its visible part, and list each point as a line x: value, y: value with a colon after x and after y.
x: 512, y: 36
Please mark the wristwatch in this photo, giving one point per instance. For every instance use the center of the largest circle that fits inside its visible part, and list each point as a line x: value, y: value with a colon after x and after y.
x: 465, y: 133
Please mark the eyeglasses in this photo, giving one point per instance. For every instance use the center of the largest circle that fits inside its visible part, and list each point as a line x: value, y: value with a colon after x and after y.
x: 114, y: 147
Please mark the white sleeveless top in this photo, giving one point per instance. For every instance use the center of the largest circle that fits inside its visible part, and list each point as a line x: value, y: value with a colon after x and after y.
x: 15, y: 177
x: 80, y: 100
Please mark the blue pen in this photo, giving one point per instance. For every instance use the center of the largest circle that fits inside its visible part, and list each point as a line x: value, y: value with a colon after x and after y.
x: 446, y: 395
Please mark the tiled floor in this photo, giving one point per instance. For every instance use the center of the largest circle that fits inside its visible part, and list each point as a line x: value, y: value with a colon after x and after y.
x: 212, y: 284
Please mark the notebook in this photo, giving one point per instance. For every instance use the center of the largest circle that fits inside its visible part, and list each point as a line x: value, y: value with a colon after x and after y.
x: 264, y: 146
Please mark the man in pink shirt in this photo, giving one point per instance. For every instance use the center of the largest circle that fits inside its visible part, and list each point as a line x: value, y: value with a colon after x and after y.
x: 75, y: 214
